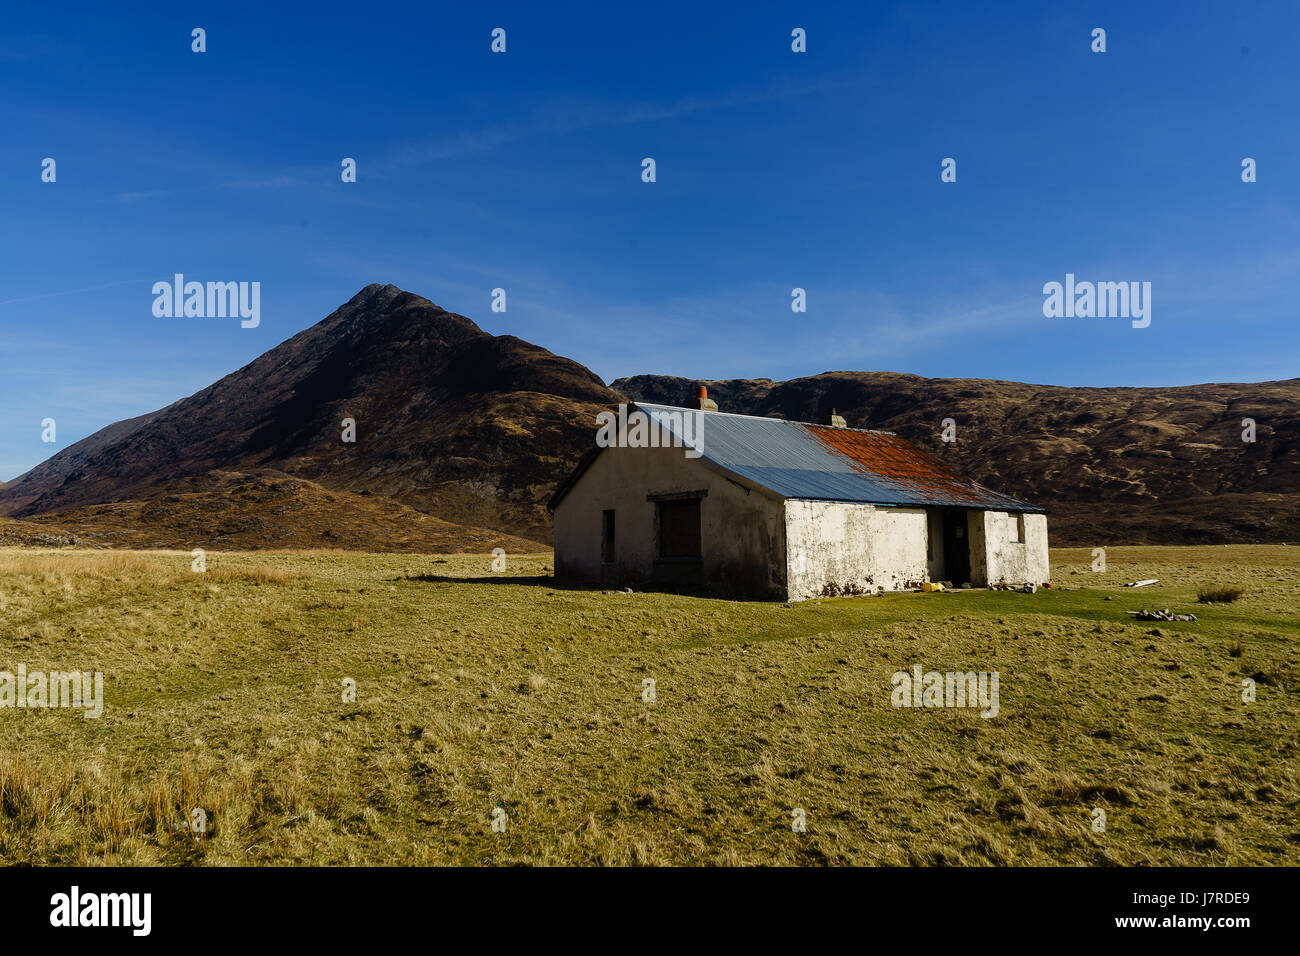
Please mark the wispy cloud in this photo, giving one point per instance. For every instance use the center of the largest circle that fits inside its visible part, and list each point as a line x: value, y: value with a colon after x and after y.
x: 64, y: 292
x: 136, y: 197
x: 562, y: 117
x: 271, y: 182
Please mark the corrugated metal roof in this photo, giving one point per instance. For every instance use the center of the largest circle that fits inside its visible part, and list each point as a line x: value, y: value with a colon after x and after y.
x: 795, y: 460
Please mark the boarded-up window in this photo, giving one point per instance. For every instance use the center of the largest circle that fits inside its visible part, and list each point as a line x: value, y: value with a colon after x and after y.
x: 607, y: 536
x: 1017, y: 527
x: 679, y: 529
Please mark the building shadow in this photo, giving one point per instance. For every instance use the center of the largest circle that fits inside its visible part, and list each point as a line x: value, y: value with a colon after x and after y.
x: 533, y: 580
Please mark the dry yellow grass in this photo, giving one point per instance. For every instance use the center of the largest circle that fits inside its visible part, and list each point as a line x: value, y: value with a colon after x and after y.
x: 477, y: 690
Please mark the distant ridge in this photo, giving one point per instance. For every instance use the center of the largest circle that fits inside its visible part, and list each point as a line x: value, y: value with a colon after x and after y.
x: 1117, y: 465
x: 478, y: 430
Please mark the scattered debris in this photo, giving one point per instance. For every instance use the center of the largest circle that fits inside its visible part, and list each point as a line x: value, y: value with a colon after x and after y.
x: 1165, y: 615
x: 1142, y: 584
x: 1109, y: 598
x: 929, y: 587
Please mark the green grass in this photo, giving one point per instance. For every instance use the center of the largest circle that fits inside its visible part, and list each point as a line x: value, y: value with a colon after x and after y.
x: 223, y: 691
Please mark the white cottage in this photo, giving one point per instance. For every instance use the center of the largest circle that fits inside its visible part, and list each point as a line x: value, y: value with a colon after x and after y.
x: 735, y: 504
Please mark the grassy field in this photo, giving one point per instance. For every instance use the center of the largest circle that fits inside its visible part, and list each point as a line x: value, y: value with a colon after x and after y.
x: 476, y: 689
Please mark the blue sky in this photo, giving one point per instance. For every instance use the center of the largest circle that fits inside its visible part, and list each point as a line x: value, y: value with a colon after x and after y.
x: 522, y: 171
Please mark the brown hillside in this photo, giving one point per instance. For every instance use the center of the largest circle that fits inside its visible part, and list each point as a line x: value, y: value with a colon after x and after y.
x: 34, y: 534
x: 247, y: 512
x: 50, y: 474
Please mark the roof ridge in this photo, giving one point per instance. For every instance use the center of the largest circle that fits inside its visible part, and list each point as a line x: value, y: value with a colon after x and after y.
x: 766, y: 418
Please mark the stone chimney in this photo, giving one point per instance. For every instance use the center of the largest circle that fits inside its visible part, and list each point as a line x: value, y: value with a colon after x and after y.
x: 834, y: 419
x: 703, y: 402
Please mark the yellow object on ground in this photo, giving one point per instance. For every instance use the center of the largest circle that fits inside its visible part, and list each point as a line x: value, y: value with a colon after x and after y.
x: 929, y: 586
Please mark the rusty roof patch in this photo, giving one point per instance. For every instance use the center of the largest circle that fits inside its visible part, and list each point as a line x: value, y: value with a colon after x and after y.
x: 916, y: 474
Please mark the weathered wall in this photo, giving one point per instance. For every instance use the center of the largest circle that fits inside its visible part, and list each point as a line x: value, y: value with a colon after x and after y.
x: 742, y: 533
x: 844, y: 548
x: 1006, y: 561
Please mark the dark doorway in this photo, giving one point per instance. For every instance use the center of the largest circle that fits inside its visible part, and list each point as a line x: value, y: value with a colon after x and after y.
x: 607, y: 536
x: 956, y: 547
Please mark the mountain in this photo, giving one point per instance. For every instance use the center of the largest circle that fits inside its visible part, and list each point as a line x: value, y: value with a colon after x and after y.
x: 1112, y: 465
x: 449, y: 420
x: 476, y: 430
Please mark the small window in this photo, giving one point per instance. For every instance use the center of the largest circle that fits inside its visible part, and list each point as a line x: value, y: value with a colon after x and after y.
x: 679, y: 529
x: 607, y: 536
x: 1017, y: 528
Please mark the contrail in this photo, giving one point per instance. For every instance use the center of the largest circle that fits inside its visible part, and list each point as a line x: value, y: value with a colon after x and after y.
x: 51, y: 295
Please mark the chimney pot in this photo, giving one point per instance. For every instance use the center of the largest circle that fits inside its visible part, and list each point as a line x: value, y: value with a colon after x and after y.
x: 702, y: 400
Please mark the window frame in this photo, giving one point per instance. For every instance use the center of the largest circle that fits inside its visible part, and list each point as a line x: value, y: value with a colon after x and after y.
x: 684, y: 504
